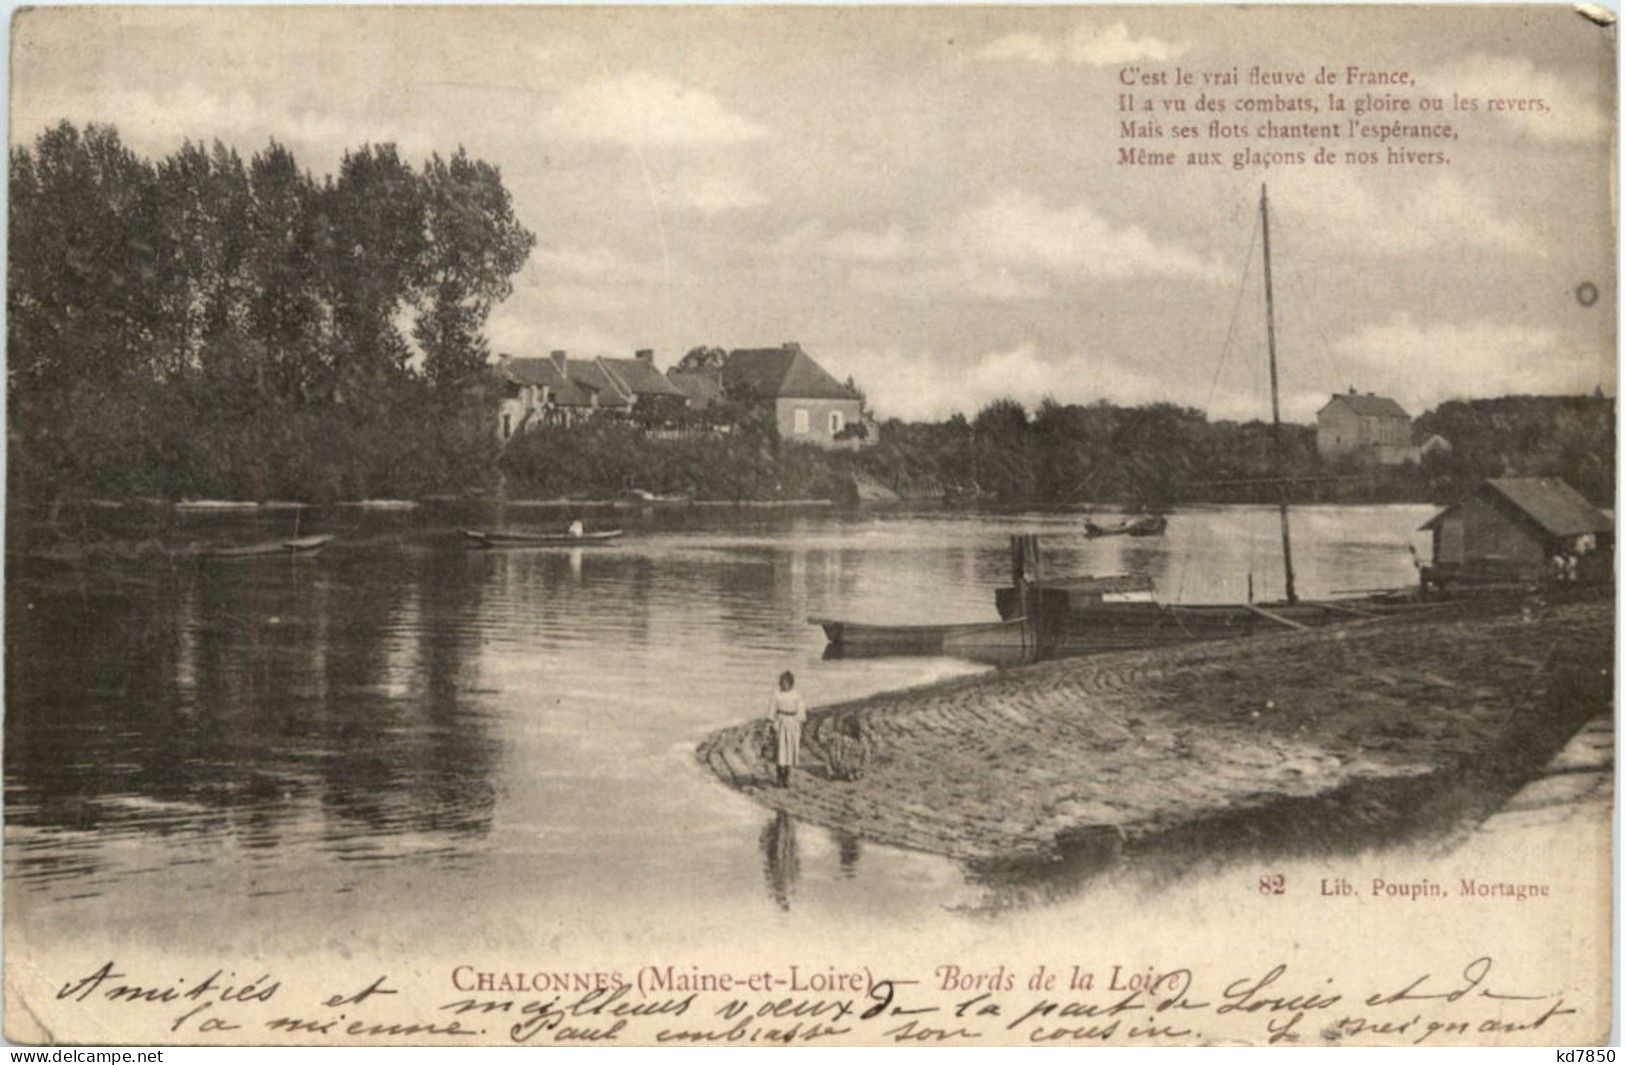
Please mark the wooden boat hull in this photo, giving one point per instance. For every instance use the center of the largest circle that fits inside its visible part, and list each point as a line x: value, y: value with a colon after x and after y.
x: 1151, y: 526
x: 852, y: 639
x: 502, y: 538
x: 302, y: 545
x: 1073, y: 628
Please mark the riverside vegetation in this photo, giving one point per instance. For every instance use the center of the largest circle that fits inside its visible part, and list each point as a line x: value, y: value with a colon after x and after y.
x: 210, y: 325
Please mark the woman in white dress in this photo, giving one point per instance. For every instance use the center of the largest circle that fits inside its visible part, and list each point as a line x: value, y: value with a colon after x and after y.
x: 788, y: 713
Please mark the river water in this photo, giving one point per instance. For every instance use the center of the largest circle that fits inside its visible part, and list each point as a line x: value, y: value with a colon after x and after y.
x: 410, y: 737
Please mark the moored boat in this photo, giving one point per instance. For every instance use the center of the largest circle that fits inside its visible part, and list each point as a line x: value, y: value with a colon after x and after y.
x: 520, y: 538
x: 299, y: 545
x: 1146, y: 525
x: 854, y: 639
x: 642, y: 498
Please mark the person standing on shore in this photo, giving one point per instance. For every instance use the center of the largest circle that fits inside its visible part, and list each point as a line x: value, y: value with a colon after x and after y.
x: 788, y: 713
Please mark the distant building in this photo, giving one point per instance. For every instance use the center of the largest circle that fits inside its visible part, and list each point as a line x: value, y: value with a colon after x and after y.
x: 702, y: 388
x: 562, y: 390
x: 1514, y: 528
x: 637, y: 377
x: 1369, y: 426
x: 533, y: 391
x: 1435, y: 444
x: 807, y: 404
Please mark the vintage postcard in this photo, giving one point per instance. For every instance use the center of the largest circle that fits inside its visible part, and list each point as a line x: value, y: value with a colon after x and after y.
x: 545, y: 526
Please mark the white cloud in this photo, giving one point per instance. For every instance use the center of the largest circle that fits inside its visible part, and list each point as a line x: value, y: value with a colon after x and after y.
x: 716, y: 193
x: 525, y: 336
x: 599, y: 263
x: 1087, y: 44
x: 1346, y: 207
x: 1569, y: 115
x: 1025, y: 46
x: 917, y: 386
x: 643, y: 109
x: 158, y: 122
x: 1428, y: 362
x: 1013, y: 247
x: 967, y: 277
x: 1016, y: 229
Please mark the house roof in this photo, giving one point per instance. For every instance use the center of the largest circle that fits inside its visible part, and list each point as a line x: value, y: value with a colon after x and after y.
x: 640, y: 378
x: 1367, y: 405
x: 541, y: 373
x: 702, y: 387
x: 588, y: 373
x: 1549, y: 502
x: 786, y: 372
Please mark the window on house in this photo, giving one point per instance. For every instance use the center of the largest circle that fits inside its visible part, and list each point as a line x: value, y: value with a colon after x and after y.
x: 835, y: 422
x: 507, y: 426
x: 803, y: 420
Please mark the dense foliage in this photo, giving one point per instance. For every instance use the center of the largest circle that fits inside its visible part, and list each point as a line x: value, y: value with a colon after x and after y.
x: 1162, y: 454
x: 605, y: 457
x: 209, y: 325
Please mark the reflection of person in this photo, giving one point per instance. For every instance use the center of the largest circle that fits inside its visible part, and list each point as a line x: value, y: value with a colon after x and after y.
x: 846, y: 752
x: 788, y: 712
x: 577, y: 529
x: 781, y: 858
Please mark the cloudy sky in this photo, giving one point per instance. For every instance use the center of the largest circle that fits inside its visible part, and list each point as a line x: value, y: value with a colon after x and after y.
x: 929, y: 199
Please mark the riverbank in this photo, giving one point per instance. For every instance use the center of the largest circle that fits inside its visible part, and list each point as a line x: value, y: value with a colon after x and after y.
x: 1027, y: 765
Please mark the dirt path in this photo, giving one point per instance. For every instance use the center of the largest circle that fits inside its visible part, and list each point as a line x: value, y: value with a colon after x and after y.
x: 1018, y: 765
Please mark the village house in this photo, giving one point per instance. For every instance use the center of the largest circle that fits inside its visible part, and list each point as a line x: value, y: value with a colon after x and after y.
x: 534, y: 391
x: 806, y: 404
x: 562, y: 390
x: 1521, y: 528
x: 701, y: 388
x: 638, y: 379
x: 1369, y: 426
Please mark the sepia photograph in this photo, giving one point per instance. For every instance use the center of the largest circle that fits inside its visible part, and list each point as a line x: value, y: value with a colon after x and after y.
x: 791, y: 526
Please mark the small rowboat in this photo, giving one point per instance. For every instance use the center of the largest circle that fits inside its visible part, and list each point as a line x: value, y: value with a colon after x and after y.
x: 302, y: 545
x: 649, y: 499
x: 513, y: 538
x: 1150, y: 525
x: 856, y: 640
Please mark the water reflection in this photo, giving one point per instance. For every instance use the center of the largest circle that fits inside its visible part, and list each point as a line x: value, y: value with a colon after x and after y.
x: 781, y: 858
x: 850, y: 849
x: 254, y: 706
x: 487, y: 724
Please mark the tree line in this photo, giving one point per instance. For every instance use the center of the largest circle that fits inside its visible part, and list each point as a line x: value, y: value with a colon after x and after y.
x: 1161, y: 454
x: 207, y: 323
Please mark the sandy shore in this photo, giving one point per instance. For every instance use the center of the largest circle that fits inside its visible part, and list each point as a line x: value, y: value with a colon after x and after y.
x: 1030, y: 764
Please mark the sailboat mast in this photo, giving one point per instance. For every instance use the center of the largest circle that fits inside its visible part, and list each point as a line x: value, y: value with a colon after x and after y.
x: 1275, y: 396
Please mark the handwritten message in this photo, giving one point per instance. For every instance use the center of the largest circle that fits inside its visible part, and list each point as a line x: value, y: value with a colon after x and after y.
x: 1258, y: 118
x: 1064, y: 1003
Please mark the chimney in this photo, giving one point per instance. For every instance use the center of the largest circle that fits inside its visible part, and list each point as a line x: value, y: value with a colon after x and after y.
x: 1352, y: 392
x: 646, y: 355
x: 792, y: 345
x: 558, y: 362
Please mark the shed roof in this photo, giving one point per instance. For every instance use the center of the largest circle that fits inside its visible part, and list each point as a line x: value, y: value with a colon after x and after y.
x: 1549, y: 502
x: 785, y: 372
x: 1368, y: 405
x: 588, y: 373
x: 541, y: 373
x: 702, y: 387
x: 640, y: 378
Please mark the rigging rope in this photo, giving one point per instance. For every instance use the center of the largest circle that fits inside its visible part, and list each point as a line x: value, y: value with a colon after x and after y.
x: 1224, y: 352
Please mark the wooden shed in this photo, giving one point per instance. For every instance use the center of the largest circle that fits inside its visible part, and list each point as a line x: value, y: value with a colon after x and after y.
x: 1521, y: 528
